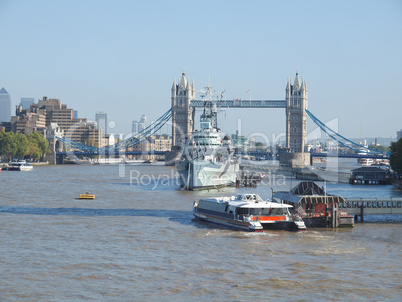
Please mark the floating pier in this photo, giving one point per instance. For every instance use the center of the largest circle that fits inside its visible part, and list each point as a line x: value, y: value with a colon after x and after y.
x: 315, y: 206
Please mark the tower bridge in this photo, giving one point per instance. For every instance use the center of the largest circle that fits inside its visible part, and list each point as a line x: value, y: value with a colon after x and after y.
x: 183, y: 104
x: 182, y: 112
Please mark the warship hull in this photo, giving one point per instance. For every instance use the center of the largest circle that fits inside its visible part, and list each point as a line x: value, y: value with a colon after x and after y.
x: 200, y: 174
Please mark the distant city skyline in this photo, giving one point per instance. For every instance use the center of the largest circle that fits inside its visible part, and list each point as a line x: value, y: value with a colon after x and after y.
x: 348, y: 52
x: 139, y: 126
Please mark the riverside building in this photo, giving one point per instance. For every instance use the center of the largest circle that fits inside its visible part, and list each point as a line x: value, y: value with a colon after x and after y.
x: 41, y: 115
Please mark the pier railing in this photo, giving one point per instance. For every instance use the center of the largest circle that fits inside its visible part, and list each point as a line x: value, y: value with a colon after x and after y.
x: 372, y: 206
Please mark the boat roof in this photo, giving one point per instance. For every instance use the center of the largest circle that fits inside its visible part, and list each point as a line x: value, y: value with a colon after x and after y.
x: 246, y: 201
x: 307, y: 192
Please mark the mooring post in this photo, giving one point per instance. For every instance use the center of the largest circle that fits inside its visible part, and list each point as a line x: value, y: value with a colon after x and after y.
x: 335, y: 216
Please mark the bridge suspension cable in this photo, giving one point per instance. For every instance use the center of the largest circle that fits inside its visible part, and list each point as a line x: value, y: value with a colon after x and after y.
x: 336, y: 136
x: 129, y: 142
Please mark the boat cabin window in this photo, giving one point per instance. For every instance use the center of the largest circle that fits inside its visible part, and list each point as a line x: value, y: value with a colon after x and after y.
x: 250, y: 197
x: 205, y: 125
x: 268, y: 211
x: 257, y: 211
x: 242, y: 211
x: 279, y: 211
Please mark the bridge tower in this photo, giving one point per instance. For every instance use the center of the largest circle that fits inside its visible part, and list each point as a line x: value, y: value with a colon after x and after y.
x: 182, y: 114
x: 296, y: 116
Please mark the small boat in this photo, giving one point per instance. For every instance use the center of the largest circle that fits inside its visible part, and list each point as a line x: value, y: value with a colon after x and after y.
x: 20, y: 165
x: 87, y: 196
x: 74, y: 160
x: 247, y: 212
x: 366, y: 162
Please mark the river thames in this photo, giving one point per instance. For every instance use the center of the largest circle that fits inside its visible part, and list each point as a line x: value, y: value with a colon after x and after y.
x: 138, y: 241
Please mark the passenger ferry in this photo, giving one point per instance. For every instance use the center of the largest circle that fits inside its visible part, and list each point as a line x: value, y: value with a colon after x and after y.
x: 21, y: 165
x: 247, y: 212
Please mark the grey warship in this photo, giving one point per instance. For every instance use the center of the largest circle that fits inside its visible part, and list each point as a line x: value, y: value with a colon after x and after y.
x: 207, y: 159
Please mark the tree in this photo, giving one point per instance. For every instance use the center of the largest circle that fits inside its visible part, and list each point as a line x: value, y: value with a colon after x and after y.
x: 33, y: 148
x: 18, y: 144
x: 379, y: 148
x: 396, y: 156
x: 259, y: 146
x: 37, y: 145
x: 42, y: 143
x: 22, y: 144
x: 8, y: 144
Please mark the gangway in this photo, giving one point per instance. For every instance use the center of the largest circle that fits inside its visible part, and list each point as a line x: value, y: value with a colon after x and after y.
x: 372, y: 206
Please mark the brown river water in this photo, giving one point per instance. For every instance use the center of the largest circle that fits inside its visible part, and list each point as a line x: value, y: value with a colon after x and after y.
x: 138, y: 241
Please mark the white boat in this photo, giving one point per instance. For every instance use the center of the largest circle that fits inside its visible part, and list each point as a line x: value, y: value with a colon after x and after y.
x: 20, y: 165
x: 381, y: 162
x: 366, y: 162
x: 76, y: 161
x: 108, y: 161
x: 248, y: 212
x: 207, y: 157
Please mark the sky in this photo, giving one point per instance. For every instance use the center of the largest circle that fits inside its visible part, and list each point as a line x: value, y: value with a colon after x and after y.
x: 121, y: 57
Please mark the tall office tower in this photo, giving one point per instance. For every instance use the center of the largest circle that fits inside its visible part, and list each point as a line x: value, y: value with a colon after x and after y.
x: 5, y: 106
x: 26, y: 102
x: 101, y: 121
x: 137, y: 127
x: 142, y: 124
x: 134, y: 127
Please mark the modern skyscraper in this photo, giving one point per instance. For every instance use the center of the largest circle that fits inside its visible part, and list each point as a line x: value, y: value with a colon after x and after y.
x: 134, y: 127
x: 139, y: 126
x: 101, y: 121
x: 5, y: 106
x: 142, y: 124
x: 26, y: 102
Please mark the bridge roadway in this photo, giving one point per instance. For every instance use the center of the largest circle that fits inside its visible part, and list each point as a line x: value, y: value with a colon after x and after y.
x: 95, y: 153
x: 256, y: 154
x: 372, y: 206
x: 242, y: 103
x: 374, y: 155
